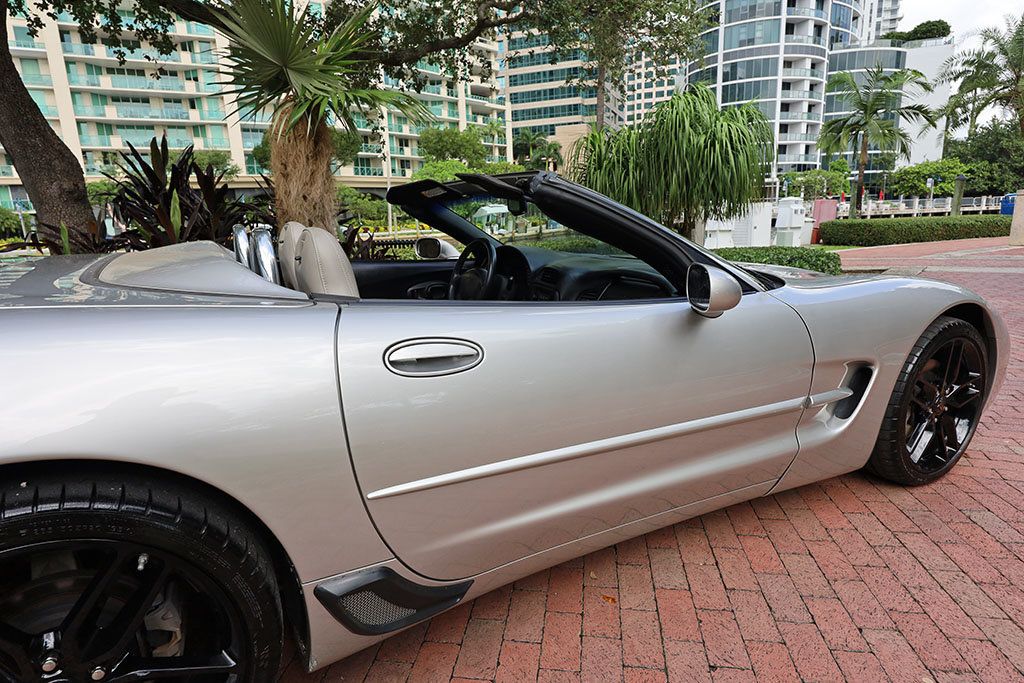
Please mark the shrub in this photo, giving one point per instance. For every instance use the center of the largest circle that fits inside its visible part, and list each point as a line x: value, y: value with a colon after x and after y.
x: 10, y: 224
x: 819, y: 260
x: 571, y: 245
x: 868, y: 232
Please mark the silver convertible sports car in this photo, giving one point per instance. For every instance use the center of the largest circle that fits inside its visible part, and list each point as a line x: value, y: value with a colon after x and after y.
x: 203, y: 453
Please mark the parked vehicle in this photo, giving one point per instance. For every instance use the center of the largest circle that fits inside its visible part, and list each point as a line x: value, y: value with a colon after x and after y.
x: 201, y: 451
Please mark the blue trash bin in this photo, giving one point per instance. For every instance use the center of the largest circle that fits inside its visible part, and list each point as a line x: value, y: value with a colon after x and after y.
x: 1006, y: 206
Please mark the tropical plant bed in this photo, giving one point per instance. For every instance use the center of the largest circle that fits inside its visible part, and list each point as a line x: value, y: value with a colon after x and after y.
x: 870, y: 232
x: 819, y: 260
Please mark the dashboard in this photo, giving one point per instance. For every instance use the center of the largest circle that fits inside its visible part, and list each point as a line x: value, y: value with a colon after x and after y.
x: 558, y: 276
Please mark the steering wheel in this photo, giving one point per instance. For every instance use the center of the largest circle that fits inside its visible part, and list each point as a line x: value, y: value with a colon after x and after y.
x: 474, y: 282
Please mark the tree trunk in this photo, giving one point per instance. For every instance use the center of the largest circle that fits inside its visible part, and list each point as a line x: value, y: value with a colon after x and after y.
x: 300, y: 161
x: 51, y: 174
x: 601, y: 104
x: 862, y: 164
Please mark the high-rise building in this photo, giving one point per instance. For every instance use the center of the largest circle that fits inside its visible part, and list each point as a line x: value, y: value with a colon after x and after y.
x: 97, y: 104
x: 552, y: 99
x: 882, y: 16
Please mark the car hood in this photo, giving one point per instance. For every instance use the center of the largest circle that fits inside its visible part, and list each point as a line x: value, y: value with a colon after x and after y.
x: 802, y: 278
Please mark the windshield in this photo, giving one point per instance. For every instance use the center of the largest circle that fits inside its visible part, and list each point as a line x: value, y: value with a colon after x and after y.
x: 530, y: 229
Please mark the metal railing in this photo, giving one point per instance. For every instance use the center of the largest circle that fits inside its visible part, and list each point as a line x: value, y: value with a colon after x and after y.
x: 805, y: 40
x: 803, y: 73
x: 807, y: 12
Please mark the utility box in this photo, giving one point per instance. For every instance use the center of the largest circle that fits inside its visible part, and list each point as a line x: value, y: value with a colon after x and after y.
x: 752, y: 229
x: 790, y: 221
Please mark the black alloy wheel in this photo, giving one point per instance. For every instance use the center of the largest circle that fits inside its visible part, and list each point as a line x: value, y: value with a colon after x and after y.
x: 935, y: 406
x: 116, y: 579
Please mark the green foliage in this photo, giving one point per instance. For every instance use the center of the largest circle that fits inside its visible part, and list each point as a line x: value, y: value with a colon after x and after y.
x: 364, y: 206
x: 688, y: 161
x: 579, y: 244
x: 447, y: 144
x: 995, y: 155
x: 218, y: 159
x: 10, y: 226
x: 444, y: 171
x: 279, y: 59
x: 817, y: 183
x: 926, y: 30
x: 868, y: 232
x: 912, y: 181
x: 991, y: 74
x: 819, y: 260
x: 101, y: 191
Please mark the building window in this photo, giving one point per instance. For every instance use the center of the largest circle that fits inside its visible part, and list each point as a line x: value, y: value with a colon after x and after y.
x: 753, y: 33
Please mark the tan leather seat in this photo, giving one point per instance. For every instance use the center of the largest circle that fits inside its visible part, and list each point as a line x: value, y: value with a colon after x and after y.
x: 321, y: 266
x: 286, y: 252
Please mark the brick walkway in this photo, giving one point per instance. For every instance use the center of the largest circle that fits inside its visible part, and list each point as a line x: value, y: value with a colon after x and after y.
x: 851, y: 578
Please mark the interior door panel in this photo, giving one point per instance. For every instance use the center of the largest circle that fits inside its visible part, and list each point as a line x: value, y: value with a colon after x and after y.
x: 394, y: 279
x: 576, y: 418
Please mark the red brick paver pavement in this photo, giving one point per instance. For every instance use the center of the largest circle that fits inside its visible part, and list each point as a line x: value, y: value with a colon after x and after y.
x: 851, y: 578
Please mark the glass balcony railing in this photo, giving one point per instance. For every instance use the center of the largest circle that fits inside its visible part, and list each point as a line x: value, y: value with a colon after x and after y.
x: 152, y: 113
x: 26, y: 44
x: 370, y: 148
x: 805, y: 40
x: 798, y: 137
x: 253, y: 168
x: 49, y: 111
x: 424, y: 65
x: 146, y: 83
x: 37, y: 79
x: 215, y: 143
x: 797, y: 158
x: 92, y: 80
x: 78, y: 48
x: 140, y: 139
x: 94, y: 140
x: 807, y: 12
x: 368, y: 171
x: 803, y: 73
x: 90, y: 110
x: 6, y: 170
x: 179, y: 142
x: 799, y: 116
x: 787, y: 94
x: 198, y: 29
x: 203, y: 57
x: 213, y: 114
x: 23, y: 205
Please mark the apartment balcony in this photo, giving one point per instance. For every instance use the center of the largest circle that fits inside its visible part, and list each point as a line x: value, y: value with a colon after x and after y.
x: 89, y: 80
x: 204, y: 57
x: 215, y: 143
x: 192, y: 28
x: 799, y: 116
x: 171, y: 113
x: 816, y: 74
x: 424, y: 65
x: 95, y: 141
x: 368, y: 171
x: 370, y: 148
x: 251, y: 140
x: 400, y: 151
x: 212, y: 114
x: 91, y: 111
x: 797, y: 158
x: 6, y: 170
x: 805, y: 40
x: 25, y: 45
x: 78, y: 48
x: 798, y: 137
x: 799, y: 95
x: 807, y: 12
x: 22, y: 205
x: 138, y: 139
x: 49, y: 111
x: 146, y: 83
x: 36, y: 80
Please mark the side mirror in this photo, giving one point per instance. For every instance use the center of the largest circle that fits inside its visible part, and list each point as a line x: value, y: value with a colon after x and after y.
x: 711, y: 291
x: 432, y: 248
x: 428, y: 248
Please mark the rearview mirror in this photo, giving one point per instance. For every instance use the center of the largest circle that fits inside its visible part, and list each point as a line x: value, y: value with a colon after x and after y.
x: 428, y: 248
x: 516, y: 207
x: 711, y: 291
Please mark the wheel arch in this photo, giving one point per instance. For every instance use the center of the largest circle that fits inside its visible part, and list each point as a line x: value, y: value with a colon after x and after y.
x: 978, y: 317
x: 292, y: 599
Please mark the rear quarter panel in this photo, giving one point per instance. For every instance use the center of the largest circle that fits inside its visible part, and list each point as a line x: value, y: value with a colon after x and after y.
x: 873, y: 321
x: 243, y: 398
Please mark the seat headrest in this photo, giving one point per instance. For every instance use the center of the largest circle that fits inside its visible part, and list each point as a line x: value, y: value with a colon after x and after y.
x: 286, y: 252
x: 322, y: 267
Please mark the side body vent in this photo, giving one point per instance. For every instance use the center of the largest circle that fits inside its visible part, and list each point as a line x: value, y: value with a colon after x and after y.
x: 377, y: 601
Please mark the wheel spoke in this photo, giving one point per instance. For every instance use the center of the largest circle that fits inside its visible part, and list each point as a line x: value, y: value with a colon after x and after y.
x: 952, y: 369
x: 950, y: 439
x: 15, y: 645
x: 114, y: 639
x: 917, y: 439
x: 145, y: 668
x: 965, y: 393
x: 81, y: 620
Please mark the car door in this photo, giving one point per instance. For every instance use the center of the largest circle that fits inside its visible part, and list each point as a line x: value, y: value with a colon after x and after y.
x: 482, y: 433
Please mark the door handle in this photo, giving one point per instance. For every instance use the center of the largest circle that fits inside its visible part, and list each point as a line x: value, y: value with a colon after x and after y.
x: 432, y: 357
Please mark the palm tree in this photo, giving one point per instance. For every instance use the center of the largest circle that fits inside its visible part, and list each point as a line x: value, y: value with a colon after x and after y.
x: 547, y: 156
x: 687, y: 161
x: 279, y: 59
x: 978, y: 76
x: 525, y: 142
x: 995, y: 70
x: 873, y: 101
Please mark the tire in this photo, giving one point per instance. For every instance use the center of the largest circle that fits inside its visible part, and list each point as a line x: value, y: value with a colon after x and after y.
x: 201, y: 567
x: 893, y: 457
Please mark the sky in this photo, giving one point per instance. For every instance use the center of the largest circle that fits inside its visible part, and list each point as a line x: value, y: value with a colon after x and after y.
x: 965, y: 16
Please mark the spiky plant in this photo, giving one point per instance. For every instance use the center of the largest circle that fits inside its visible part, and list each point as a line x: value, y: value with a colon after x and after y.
x: 279, y: 59
x: 687, y: 162
x: 874, y: 106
